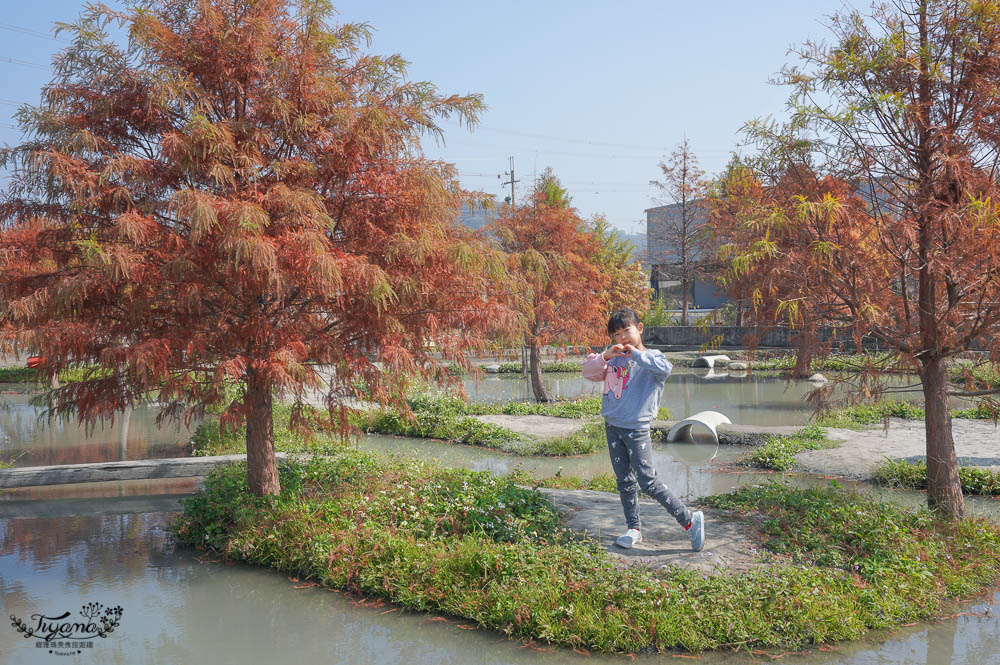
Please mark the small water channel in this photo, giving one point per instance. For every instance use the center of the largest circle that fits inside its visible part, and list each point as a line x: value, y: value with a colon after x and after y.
x: 28, y: 439
x: 747, y: 399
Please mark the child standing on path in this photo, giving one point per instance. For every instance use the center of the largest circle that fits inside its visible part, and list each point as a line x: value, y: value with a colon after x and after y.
x: 633, y: 379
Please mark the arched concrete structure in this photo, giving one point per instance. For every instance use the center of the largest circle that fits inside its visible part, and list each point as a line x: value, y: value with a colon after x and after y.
x: 709, y: 361
x: 708, y: 419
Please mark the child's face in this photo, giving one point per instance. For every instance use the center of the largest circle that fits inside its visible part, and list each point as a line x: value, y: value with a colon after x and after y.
x: 629, y: 335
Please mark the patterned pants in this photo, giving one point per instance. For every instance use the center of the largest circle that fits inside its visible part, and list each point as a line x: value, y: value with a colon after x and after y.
x: 631, y: 453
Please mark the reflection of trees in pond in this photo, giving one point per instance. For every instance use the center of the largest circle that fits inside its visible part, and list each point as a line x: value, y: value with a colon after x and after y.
x: 150, y: 487
x: 316, y: 625
x: 91, y: 550
x: 35, y: 441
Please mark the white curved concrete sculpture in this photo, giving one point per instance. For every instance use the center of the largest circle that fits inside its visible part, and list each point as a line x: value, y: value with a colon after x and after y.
x: 709, y: 361
x: 708, y: 419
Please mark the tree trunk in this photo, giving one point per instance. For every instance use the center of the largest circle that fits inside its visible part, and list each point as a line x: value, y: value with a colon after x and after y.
x: 804, y: 347
x: 537, y: 385
x: 123, y: 434
x: 262, y: 469
x: 684, y: 301
x: 944, y: 488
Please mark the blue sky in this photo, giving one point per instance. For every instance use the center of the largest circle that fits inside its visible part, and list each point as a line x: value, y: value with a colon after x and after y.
x: 598, y: 91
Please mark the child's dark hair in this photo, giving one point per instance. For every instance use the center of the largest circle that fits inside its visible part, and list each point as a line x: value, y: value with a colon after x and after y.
x: 622, y: 318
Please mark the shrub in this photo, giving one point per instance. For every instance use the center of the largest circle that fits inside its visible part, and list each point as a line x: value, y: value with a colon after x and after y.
x: 778, y: 452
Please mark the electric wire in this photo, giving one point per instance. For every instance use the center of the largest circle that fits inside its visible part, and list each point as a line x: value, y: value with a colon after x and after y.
x: 24, y: 63
x: 33, y: 33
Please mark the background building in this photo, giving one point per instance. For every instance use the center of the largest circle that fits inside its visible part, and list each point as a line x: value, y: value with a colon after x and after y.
x: 664, y: 259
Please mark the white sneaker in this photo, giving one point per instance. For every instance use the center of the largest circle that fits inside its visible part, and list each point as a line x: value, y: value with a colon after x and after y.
x: 629, y: 538
x: 696, y: 532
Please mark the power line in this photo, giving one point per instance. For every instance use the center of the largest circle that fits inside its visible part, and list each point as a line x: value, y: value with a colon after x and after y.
x: 24, y: 62
x: 33, y: 33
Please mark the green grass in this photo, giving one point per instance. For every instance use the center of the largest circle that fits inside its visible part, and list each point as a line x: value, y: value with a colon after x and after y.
x: 865, y: 415
x: 478, y: 547
x: 983, y: 376
x: 556, y: 366
x: 913, y: 475
x: 778, y: 452
x: 432, y: 425
x: 831, y: 363
x: 601, y: 482
x: 208, y: 439
x: 18, y: 375
x: 30, y: 375
x: 427, y: 402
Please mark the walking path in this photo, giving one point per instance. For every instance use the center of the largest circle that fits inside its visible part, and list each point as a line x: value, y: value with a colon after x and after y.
x: 977, y: 443
x: 729, y: 544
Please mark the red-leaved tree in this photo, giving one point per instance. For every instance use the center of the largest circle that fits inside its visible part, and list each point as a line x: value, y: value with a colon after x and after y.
x: 567, y: 272
x: 237, y: 196
x: 901, y: 113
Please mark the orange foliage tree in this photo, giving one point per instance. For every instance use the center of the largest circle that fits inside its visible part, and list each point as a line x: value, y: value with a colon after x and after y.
x: 767, y: 261
x: 238, y: 197
x: 569, y: 274
x: 903, y: 107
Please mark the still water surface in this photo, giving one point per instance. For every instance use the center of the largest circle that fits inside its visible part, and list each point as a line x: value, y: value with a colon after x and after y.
x: 27, y: 438
x: 745, y: 399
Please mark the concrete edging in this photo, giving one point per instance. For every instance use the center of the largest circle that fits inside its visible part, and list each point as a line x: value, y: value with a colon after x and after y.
x: 64, y: 474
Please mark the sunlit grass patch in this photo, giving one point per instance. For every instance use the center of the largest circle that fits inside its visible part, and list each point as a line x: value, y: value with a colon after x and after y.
x: 601, y: 482
x: 865, y: 415
x: 432, y: 416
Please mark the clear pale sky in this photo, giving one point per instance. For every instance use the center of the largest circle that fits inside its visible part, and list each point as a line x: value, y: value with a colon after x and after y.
x: 599, y: 91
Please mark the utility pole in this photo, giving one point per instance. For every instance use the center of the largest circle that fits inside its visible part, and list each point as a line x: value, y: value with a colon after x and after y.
x: 511, y: 181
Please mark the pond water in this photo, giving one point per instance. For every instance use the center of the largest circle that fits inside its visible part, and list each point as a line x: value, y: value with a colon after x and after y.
x: 64, y: 546
x: 180, y: 608
x: 29, y: 439
x: 746, y: 399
